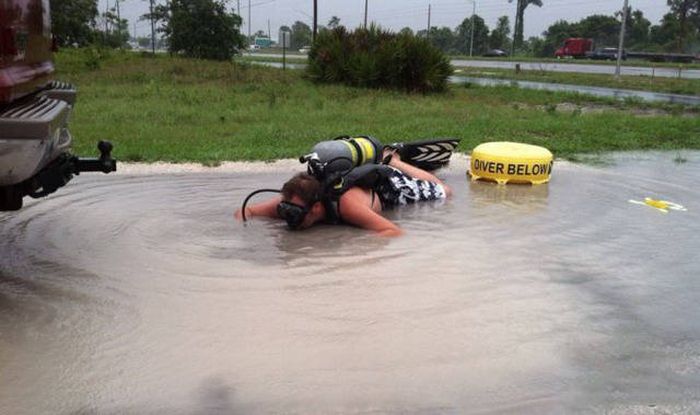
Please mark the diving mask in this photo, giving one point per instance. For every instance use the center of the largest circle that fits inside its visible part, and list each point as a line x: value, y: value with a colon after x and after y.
x: 292, y: 213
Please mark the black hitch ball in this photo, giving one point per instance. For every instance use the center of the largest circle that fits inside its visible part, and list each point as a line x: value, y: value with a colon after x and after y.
x: 105, y: 164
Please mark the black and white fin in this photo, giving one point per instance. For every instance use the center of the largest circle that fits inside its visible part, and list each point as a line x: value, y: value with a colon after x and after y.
x: 428, y: 154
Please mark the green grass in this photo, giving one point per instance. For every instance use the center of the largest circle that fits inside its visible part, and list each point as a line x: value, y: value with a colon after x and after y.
x: 641, y: 83
x: 174, y: 109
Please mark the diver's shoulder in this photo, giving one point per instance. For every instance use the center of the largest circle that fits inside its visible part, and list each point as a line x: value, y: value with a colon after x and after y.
x: 355, y: 194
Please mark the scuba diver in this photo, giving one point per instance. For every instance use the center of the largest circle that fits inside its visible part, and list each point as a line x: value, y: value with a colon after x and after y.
x: 352, y: 180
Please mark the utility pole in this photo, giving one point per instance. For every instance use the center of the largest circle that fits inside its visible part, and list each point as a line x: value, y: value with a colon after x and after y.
x: 366, y: 14
x: 153, y: 31
x: 427, y: 33
x: 471, y: 43
x: 249, y: 22
x: 621, y: 46
x: 106, y: 19
x: 238, y: 6
x: 119, y: 20
x: 315, y: 21
x: 269, y: 36
x: 515, y: 27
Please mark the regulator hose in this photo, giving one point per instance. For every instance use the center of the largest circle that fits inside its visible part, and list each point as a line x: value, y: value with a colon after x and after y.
x: 245, y: 202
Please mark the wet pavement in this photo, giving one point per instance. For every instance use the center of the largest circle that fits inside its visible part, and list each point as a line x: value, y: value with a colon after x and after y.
x: 664, y: 72
x: 679, y: 71
x: 139, y: 294
x: 619, y: 94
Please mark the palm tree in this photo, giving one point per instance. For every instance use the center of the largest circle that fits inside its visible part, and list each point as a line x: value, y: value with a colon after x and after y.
x: 519, y: 19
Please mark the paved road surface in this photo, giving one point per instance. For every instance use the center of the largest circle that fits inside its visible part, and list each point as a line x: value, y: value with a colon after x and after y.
x: 580, y: 68
x: 558, y: 67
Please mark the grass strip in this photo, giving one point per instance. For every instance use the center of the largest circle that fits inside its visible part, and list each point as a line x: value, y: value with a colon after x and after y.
x: 181, y: 110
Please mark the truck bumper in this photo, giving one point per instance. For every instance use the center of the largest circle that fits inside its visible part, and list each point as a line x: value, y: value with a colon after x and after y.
x: 35, y: 157
x: 31, y: 136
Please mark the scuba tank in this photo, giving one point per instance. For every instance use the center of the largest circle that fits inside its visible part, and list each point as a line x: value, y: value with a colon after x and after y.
x: 342, y: 154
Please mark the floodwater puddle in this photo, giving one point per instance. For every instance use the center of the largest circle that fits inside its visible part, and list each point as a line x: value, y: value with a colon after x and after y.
x: 140, y: 294
x: 619, y: 94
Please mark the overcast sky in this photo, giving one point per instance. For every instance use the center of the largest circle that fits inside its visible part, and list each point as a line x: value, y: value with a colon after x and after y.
x: 396, y: 14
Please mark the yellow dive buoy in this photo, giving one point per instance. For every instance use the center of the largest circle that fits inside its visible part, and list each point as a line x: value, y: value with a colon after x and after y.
x: 506, y: 162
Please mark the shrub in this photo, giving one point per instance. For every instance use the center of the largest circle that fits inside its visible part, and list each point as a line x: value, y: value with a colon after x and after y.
x: 201, y: 29
x: 375, y: 58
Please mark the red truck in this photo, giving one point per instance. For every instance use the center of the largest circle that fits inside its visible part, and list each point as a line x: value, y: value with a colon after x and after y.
x: 35, y: 158
x: 574, y: 47
x: 577, y: 47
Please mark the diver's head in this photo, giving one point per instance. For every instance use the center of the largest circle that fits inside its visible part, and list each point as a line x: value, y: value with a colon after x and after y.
x: 301, y: 203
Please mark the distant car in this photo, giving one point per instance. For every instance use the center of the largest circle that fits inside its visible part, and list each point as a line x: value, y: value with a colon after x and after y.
x: 605, y: 54
x: 496, y: 53
x: 253, y: 48
x: 305, y: 49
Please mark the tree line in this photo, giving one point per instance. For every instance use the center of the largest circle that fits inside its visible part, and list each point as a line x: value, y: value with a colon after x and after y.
x: 205, y: 29
x: 678, y: 31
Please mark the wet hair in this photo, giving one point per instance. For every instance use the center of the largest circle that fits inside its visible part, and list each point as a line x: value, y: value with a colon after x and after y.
x: 304, y: 185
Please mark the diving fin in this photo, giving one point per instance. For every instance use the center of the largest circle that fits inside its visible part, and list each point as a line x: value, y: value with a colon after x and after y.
x: 428, y: 154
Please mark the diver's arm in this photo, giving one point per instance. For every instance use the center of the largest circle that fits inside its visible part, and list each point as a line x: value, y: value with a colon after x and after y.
x: 266, y: 209
x: 355, y: 211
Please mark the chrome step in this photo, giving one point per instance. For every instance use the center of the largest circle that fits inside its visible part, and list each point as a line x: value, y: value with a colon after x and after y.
x: 62, y: 91
x: 38, y: 119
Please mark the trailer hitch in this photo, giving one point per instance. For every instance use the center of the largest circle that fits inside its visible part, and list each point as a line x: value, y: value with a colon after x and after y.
x: 61, y: 171
x: 105, y: 163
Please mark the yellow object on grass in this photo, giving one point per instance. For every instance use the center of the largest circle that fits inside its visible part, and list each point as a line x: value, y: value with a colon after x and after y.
x: 506, y: 162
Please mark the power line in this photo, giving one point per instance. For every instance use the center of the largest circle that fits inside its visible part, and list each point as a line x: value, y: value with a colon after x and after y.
x: 261, y: 3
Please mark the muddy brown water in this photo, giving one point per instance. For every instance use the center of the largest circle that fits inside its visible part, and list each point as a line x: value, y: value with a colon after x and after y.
x: 138, y: 294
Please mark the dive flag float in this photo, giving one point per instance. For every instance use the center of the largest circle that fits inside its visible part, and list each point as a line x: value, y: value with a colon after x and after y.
x: 506, y: 162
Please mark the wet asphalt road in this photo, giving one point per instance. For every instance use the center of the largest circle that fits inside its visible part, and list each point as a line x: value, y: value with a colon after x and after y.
x: 557, y: 67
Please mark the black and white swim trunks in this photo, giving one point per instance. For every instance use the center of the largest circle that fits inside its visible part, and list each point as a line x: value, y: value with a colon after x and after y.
x: 400, y: 189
